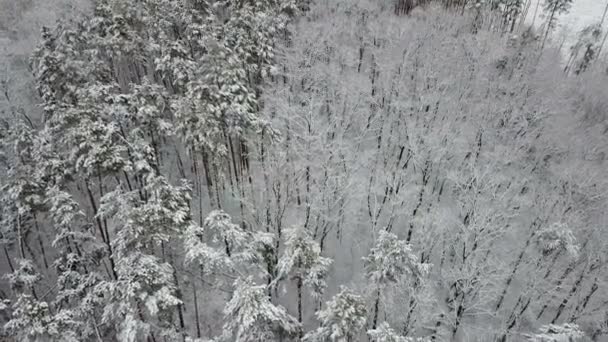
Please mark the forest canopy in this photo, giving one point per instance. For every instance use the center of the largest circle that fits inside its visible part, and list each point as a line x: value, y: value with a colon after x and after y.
x: 303, y: 170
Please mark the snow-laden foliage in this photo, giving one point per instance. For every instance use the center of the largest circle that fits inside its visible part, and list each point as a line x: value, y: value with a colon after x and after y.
x: 76, y: 301
x: 143, y: 280
x: 24, y: 277
x: 302, y: 260
x: 251, y: 317
x: 220, y: 228
x: 343, y: 318
x: 566, y: 332
x: 391, y: 262
x: 140, y: 301
x: 221, y: 246
x: 32, y: 321
x: 391, y: 259
x: 384, y: 333
x: 197, y: 251
x: 23, y: 184
x: 161, y: 214
x: 31, y: 318
x: 557, y: 238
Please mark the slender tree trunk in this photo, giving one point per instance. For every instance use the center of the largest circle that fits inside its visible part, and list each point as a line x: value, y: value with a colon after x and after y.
x: 361, y: 52
x: 376, y: 310
x: 515, y: 267
x: 180, y: 306
x: 410, y: 312
x: 459, y: 313
x: 425, y: 179
x: 513, y: 317
x: 20, y: 237
x: 100, y: 227
x: 299, y: 285
x: 567, y: 271
x: 209, y: 179
x: 196, y: 316
x: 567, y: 299
x: 599, y: 51
x: 535, y: 13
x: 8, y: 259
x: 604, y: 15
x: 580, y: 308
x: 40, y: 243
x: 524, y: 14
x: 549, y: 22
x: 307, y: 175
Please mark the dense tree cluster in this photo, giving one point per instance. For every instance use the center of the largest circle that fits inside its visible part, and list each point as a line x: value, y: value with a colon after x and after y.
x: 238, y: 170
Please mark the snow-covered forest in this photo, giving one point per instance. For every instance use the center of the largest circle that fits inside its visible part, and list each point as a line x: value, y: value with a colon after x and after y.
x: 302, y: 170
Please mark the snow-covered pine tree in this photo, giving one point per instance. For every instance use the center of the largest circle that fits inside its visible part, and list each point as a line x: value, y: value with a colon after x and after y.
x: 245, y: 248
x: 302, y: 261
x: 388, y: 262
x: 31, y: 317
x: 78, y: 267
x: 343, y: 318
x: 225, y: 250
x: 251, y: 317
x: 142, y: 301
x: 22, y: 194
x: 80, y: 109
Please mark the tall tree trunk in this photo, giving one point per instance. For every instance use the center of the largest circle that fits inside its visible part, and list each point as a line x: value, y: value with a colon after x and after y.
x: 299, y: 285
x: 573, y: 290
x: 376, y: 310
x: 40, y: 243
x: 196, y: 316
x: 100, y: 228
x: 8, y: 259
x: 549, y: 22
x: 515, y: 267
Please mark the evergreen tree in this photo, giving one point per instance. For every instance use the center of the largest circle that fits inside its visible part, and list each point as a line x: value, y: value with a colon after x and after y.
x: 77, y: 267
x: 31, y: 318
x: 342, y: 320
x: 251, y: 317
x: 389, y: 261
x: 144, y: 281
x: 302, y: 261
